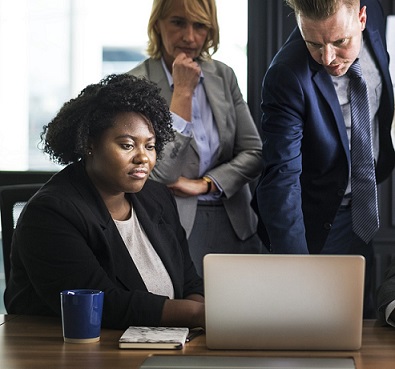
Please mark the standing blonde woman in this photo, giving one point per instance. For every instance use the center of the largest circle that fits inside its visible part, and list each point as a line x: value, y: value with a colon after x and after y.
x: 217, y: 150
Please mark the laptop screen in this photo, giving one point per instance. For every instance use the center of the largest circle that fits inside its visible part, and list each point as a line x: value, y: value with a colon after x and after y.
x: 284, y: 302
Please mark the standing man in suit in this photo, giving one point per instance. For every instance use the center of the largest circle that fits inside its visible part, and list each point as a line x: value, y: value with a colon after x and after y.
x: 217, y: 150
x: 304, y: 196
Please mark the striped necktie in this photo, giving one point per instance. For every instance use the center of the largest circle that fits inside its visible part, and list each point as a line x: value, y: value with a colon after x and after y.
x: 364, y: 207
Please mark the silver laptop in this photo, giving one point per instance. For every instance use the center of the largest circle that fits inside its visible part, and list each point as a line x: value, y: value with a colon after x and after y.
x: 284, y: 302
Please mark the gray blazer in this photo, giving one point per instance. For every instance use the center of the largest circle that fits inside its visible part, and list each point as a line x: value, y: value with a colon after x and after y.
x: 239, y: 158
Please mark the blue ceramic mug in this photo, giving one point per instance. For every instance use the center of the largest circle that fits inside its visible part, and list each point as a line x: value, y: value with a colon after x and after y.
x: 81, y: 315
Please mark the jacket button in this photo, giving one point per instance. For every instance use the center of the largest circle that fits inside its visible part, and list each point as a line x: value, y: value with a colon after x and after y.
x: 327, y: 226
x: 341, y: 192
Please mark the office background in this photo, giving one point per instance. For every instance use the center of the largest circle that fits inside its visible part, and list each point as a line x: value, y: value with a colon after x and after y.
x: 51, y: 49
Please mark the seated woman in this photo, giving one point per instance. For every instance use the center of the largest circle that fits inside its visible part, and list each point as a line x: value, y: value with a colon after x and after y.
x: 100, y: 223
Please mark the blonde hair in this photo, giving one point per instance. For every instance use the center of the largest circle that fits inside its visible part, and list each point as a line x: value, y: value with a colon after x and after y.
x: 201, y: 11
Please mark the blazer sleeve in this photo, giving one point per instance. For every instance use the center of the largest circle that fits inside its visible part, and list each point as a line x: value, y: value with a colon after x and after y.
x: 172, y: 163
x: 386, y: 293
x: 240, y: 160
x: 279, y: 194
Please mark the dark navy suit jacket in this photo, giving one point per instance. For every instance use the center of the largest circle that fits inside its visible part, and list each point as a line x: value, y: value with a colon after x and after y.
x: 305, y: 145
x: 66, y: 239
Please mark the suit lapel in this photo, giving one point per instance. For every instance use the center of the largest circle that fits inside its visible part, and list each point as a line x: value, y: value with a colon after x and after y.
x: 214, y: 88
x: 119, y: 261
x: 324, y: 83
x: 157, y: 75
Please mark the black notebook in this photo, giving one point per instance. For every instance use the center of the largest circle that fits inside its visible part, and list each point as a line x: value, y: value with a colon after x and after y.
x: 170, y: 338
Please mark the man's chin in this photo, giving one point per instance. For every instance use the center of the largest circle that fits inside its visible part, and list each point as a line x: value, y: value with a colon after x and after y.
x: 336, y: 71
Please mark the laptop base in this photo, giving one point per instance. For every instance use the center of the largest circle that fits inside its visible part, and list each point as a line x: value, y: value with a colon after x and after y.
x: 240, y: 362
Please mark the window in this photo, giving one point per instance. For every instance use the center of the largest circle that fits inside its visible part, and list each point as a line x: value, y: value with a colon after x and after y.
x: 60, y: 46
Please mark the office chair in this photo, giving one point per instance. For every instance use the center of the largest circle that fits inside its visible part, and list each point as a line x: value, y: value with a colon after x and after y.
x: 12, y: 200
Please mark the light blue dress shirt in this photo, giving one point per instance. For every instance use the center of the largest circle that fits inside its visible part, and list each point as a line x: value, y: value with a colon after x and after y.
x: 202, y: 128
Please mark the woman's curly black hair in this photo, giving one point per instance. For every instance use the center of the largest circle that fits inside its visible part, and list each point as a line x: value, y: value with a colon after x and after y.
x: 87, y: 116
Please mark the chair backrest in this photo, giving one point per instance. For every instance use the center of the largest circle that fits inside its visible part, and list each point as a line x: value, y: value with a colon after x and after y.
x: 12, y: 200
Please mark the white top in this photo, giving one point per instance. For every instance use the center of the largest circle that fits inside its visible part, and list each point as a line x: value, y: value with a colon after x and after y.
x: 147, y: 261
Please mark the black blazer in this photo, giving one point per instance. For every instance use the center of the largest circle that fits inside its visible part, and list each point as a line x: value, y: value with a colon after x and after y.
x: 66, y: 239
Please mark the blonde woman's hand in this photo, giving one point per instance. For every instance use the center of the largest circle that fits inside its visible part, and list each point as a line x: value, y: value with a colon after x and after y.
x: 186, y: 73
x: 185, y: 187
